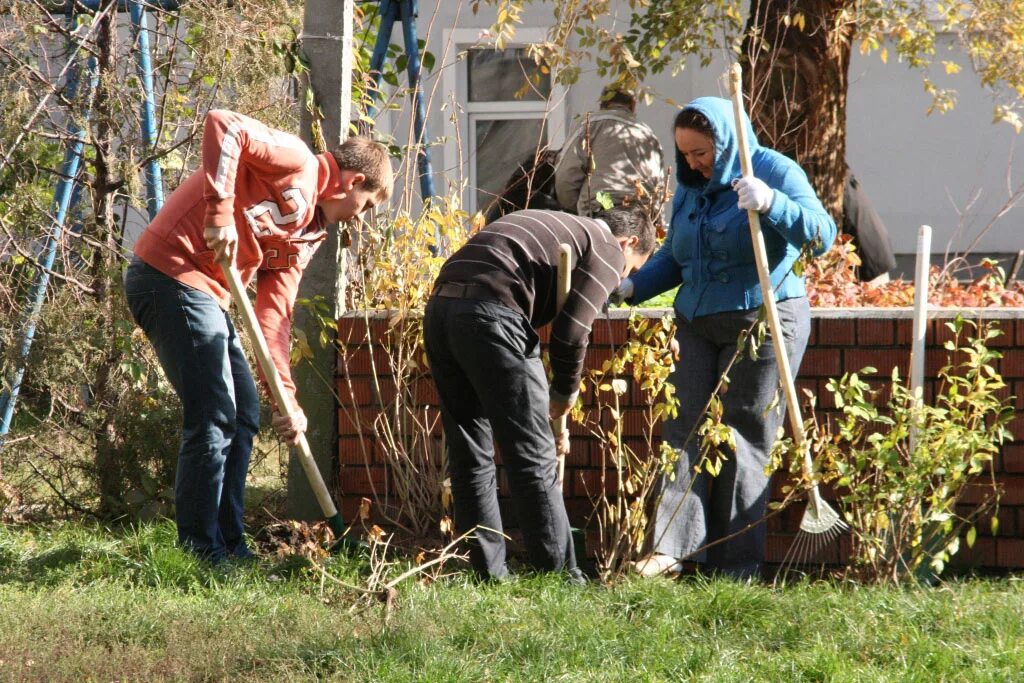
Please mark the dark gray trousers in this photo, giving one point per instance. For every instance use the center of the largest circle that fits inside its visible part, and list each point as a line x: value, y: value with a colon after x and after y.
x: 485, y: 360
x: 688, y: 518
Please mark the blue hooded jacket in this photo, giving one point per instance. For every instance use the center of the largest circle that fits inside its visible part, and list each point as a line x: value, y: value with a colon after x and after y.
x: 708, y: 250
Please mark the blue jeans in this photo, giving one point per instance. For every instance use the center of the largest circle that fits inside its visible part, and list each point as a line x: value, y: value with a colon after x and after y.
x: 200, y: 353
x: 691, y: 516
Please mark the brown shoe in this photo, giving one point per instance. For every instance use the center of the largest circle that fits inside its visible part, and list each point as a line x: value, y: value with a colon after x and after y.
x: 658, y: 565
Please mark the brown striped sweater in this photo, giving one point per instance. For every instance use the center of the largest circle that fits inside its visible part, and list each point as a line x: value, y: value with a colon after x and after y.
x: 516, y: 258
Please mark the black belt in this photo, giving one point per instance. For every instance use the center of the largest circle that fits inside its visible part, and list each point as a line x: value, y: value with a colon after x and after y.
x: 465, y: 290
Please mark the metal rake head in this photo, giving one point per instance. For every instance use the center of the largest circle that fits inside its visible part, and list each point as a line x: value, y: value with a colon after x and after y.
x: 820, y: 526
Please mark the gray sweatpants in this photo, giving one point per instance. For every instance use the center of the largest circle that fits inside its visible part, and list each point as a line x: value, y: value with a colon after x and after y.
x: 688, y: 518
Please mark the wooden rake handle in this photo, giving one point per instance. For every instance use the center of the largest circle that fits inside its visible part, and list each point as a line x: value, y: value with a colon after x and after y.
x: 280, y: 394
x: 761, y: 259
x: 564, y: 282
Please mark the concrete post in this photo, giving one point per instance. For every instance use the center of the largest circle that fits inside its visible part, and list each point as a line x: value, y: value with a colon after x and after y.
x: 327, y: 43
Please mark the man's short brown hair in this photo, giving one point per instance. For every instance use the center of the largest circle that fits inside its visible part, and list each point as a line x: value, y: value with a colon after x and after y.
x: 362, y: 155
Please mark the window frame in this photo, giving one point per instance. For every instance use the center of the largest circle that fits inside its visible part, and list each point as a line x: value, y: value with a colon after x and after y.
x: 456, y: 84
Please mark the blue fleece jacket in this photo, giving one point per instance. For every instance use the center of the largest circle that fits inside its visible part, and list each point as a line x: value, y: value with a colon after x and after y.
x: 708, y: 250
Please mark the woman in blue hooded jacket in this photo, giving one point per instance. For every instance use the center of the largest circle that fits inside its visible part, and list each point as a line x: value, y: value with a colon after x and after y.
x: 709, y: 255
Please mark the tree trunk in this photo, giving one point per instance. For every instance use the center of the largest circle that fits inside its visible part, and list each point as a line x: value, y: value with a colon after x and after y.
x: 109, y: 467
x: 796, y: 57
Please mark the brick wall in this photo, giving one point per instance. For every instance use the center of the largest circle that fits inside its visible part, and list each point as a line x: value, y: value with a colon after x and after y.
x: 841, y: 340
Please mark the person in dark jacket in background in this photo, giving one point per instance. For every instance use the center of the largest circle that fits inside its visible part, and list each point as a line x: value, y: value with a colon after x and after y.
x: 709, y: 255
x: 484, y: 356
x: 870, y: 236
x: 531, y: 186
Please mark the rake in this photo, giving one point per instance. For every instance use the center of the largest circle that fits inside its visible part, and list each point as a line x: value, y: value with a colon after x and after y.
x: 821, y: 524
x: 284, y: 403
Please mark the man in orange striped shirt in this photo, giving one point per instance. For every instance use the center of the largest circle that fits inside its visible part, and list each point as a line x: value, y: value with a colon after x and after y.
x: 262, y: 201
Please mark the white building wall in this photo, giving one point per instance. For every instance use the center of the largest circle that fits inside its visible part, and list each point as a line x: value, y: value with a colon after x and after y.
x: 916, y: 168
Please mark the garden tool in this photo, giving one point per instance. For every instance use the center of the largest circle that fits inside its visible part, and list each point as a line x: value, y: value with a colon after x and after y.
x: 820, y: 524
x: 564, y: 274
x: 579, y: 537
x: 284, y: 405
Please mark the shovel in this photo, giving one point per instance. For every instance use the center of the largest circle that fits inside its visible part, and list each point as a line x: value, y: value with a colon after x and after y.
x: 284, y: 403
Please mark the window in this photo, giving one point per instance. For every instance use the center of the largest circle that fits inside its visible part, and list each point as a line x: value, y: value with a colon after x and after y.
x: 507, y: 109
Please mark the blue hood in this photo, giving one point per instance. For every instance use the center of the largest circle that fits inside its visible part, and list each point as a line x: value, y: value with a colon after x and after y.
x: 718, y: 112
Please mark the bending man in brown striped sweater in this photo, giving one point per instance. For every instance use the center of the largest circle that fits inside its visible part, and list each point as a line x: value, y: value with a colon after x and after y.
x: 484, y: 354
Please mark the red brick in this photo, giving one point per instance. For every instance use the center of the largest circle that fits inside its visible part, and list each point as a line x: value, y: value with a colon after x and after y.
x: 365, y: 481
x: 776, y: 547
x: 1013, y: 458
x: 1010, y: 553
x: 351, y: 331
x: 875, y: 333
x: 845, y: 548
x: 1006, y: 338
x: 905, y: 331
x: 1013, y: 489
x: 355, y: 421
x: 354, y: 330
x: 935, y: 360
x: 943, y: 333
x: 821, y: 363
x: 1016, y: 426
x: 978, y: 491
x: 425, y: 392
x: 353, y: 450
x: 356, y: 391
x: 882, y: 360
x: 578, y: 509
x: 587, y: 483
x: 983, y: 554
x: 609, y: 332
x: 634, y: 421
x: 579, y: 453
x: 596, y: 357
x: 577, y: 429
x: 1012, y: 364
x: 836, y: 332
x: 1007, y: 521
x: 360, y: 362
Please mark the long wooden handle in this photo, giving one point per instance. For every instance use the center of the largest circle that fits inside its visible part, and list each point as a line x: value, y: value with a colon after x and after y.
x: 277, y: 389
x: 561, y: 294
x: 761, y: 259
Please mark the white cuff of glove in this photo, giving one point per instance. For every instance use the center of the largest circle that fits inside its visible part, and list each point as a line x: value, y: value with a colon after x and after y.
x: 754, y: 194
x: 622, y: 292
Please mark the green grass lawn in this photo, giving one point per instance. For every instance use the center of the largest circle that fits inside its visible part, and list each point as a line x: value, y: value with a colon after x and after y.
x: 81, y: 604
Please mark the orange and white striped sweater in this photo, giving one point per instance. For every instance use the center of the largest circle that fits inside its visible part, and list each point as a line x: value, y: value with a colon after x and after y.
x: 267, y: 182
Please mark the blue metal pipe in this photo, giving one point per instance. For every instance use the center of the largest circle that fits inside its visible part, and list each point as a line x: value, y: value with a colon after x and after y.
x: 154, y: 175
x: 412, y: 49
x: 61, y: 202
x: 388, y: 13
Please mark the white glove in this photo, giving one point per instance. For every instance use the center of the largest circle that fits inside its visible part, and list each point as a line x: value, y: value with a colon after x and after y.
x: 622, y: 292
x: 754, y: 194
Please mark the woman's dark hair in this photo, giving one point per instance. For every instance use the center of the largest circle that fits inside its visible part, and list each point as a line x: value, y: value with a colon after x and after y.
x: 695, y: 121
x: 630, y: 221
